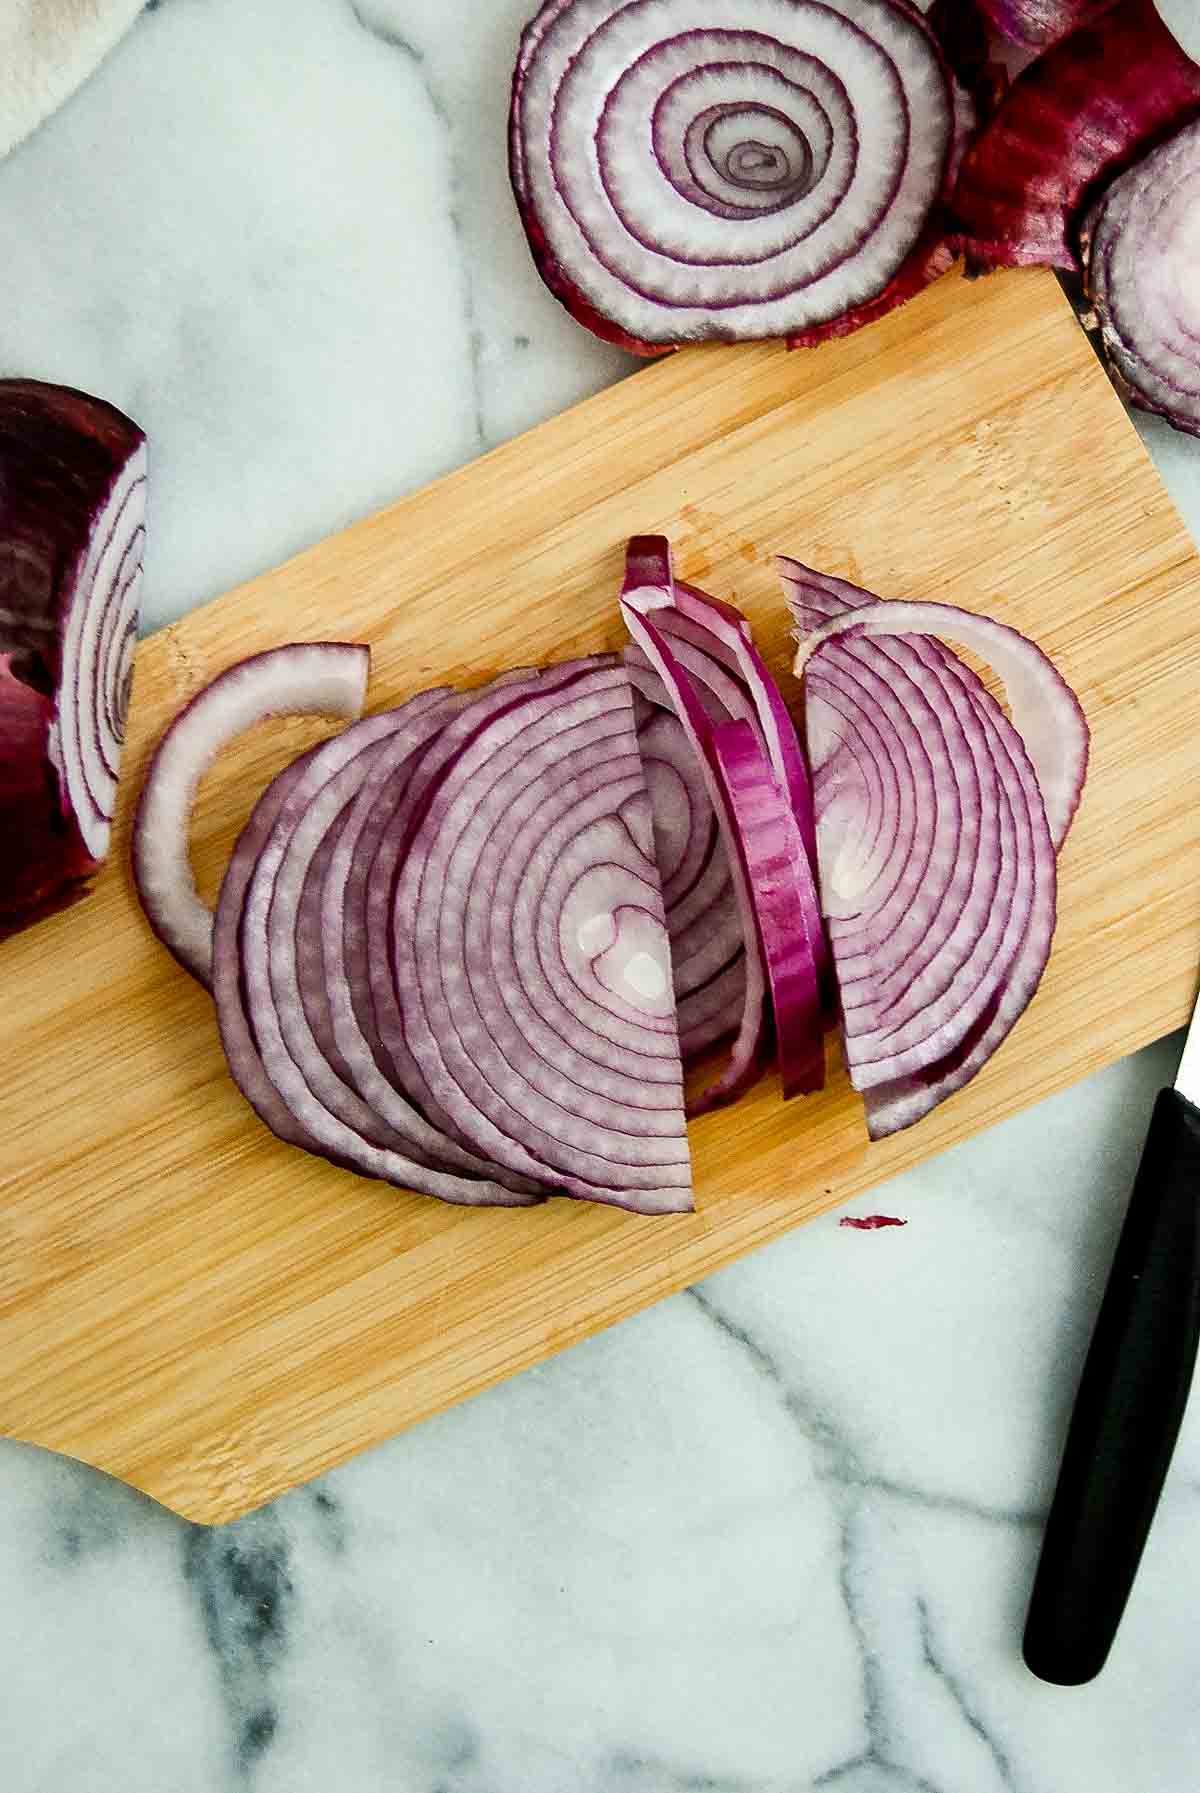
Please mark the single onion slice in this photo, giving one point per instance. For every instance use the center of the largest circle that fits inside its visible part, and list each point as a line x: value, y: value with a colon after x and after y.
x: 914, y: 762
x: 1072, y: 119
x: 72, y: 535
x: 530, y: 952
x: 320, y: 678
x: 687, y: 171
x: 1035, y: 23
x: 1142, y: 252
x: 776, y: 861
x: 1045, y: 711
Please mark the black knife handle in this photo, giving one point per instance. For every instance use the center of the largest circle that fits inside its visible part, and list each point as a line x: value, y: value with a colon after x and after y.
x: 1131, y: 1398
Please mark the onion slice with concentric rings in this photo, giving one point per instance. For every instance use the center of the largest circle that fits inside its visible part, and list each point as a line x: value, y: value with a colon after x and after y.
x: 938, y: 819
x: 72, y: 535
x: 1142, y: 249
x: 689, y: 171
x: 320, y: 678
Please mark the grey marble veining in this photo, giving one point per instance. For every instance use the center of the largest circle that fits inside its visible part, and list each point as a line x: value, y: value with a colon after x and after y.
x: 775, y: 1534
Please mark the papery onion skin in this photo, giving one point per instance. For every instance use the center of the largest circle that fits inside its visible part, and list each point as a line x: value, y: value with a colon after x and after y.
x: 72, y: 534
x: 1142, y: 248
x: 1072, y: 120
x: 595, y: 217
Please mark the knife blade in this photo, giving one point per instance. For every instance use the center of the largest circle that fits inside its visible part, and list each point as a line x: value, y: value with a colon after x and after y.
x: 1131, y: 1399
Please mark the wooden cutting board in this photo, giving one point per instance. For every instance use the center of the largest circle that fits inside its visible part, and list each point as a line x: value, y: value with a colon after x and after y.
x: 215, y: 1317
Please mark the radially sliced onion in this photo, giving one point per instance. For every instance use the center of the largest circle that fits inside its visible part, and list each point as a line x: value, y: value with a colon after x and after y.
x: 935, y: 849
x: 776, y: 862
x: 688, y: 171
x: 530, y: 952
x: 322, y: 678
x: 72, y: 535
x: 1142, y: 253
x: 1072, y: 120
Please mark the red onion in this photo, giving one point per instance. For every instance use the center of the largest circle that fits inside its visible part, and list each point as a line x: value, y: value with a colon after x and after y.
x: 692, y: 643
x: 1072, y: 120
x: 1142, y: 242
x: 1035, y: 23
x: 322, y: 678
x: 687, y: 170
x: 72, y: 533
x: 935, y: 842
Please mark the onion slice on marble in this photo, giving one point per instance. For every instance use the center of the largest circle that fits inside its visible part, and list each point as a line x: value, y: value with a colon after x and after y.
x: 688, y: 171
x: 1142, y: 250
x: 323, y: 678
x: 72, y: 535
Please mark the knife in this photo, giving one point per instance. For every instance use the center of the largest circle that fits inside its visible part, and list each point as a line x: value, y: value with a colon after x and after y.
x: 1130, y: 1402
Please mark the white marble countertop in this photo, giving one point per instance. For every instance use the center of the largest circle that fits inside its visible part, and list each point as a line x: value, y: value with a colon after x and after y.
x: 776, y: 1533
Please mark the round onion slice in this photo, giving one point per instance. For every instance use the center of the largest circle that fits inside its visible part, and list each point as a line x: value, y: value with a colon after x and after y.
x: 72, y: 535
x: 314, y: 678
x: 530, y: 952
x: 689, y: 171
x: 775, y: 861
x: 1071, y: 120
x: 1142, y: 250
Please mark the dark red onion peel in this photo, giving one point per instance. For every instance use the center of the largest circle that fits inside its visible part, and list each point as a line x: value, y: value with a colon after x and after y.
x: 1072, y: 120
x: 1142, y: 252
x: 1035, y: 23
x: 322, y: 678
x: 72, y: 534
x: 688, y: 171
x: 913, y: 760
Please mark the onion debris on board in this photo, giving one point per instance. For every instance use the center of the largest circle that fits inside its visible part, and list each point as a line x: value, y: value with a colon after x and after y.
x: 1142, y: 256
x: 690, y: 171
x: 467, y: 944
x: 72, y: 536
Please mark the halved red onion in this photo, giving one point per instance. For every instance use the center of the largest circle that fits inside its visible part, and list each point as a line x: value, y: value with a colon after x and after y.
x: 935, y: 849
x: 530, y: 951
x: 1045, y: 711
x: 1035, y: 23
x: 323, y: 678
x: 72, y: 534
x: 1074, y: 118
x: 689, y: 171
x: 260, y: 1009
x: 776, y: 861
x: 1142, y: 253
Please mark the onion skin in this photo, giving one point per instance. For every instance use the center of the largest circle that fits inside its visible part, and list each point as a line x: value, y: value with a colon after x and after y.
x: 817, y: 277
x: 1035, y: 23
x: 1072, y: 120
x: 65, y: 459
x: 1141, y: 280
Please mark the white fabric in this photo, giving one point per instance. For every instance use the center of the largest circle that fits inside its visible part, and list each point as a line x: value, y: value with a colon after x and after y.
x: 48, y: 48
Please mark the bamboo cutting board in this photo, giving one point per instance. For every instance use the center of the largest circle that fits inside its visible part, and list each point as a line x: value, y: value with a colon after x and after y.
x: 215, y: 1317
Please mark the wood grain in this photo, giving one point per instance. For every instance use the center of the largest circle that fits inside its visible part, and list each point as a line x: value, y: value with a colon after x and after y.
x: 214, y: 1317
